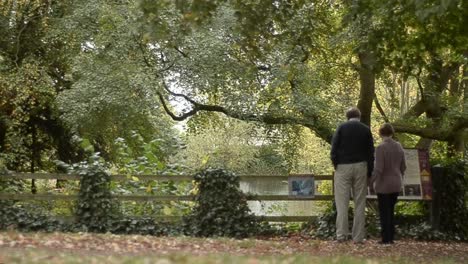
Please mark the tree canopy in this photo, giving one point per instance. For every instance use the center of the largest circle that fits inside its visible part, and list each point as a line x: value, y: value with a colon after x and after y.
x: 280, y: 62
x: 79, y: 73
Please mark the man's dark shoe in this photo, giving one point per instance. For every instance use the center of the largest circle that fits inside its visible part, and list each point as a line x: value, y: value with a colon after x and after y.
x: 385, y: 242
x: 341, y: 240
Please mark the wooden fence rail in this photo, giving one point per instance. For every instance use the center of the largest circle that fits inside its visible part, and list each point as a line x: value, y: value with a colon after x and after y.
x: 75, y: 177
x: 144, y: 198
x: 121, y: 177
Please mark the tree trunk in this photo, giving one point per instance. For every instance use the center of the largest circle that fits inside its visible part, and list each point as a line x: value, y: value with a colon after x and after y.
x: 33, y: 157
x: 454, y: 88
x: 403, y: 108
x: 3, y: 130
x: 456, y: 145
x: 436, y: 83
x: 367, y: 81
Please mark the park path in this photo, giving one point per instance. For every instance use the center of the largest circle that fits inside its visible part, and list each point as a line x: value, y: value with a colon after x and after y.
x: 86, y: 243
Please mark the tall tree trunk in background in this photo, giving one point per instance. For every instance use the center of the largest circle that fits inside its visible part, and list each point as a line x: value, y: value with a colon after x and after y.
x: 457, y: 144
x: 435, y: 84
x: 33, y: 156
x: 367, y: 82
x: 454, y: 87
x: 407, y: 95
x: 67, y: 150
x: 403, y: 107
x: 3, y: 129
x: 465, y: 106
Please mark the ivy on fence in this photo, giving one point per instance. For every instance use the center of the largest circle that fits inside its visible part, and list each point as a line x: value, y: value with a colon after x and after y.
x: 221, y: 207
x: 95, y: 209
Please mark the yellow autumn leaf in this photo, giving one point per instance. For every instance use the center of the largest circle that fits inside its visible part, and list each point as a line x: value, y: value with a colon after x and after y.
x: 167, y: 210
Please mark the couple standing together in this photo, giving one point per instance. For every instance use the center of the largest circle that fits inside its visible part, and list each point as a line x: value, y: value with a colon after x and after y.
x: 352, y: 155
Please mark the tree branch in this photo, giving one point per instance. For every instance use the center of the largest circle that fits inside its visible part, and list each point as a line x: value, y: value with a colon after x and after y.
x: 422, y: 132
x: 379, y: 107
x: 172, y: 115
x: 436, y: 132
x: 416, y: 110
x: 166, y: 87
x: 418, y: 79
x: 311, y: 121
x: 185, y: 55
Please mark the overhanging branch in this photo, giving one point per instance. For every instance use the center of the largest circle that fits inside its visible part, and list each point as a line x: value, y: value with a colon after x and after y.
x: 166, y: 87
x: 172, y: 115
x: 441, y: 133
x: 422, y: 132
x: 311, y: 122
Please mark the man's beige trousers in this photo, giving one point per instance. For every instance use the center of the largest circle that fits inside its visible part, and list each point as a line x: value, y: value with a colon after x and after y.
x: 351, y: 177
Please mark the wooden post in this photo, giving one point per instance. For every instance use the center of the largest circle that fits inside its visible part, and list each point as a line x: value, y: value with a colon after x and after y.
x: 437, y: 180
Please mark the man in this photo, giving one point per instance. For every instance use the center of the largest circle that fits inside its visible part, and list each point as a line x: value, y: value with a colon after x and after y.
x: 352, y: 155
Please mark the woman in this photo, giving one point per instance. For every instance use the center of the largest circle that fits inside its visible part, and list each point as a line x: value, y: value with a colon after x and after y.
x: 387, y: 179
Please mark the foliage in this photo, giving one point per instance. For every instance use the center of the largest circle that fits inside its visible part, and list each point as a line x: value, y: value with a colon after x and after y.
x: 313, y: 157
x: 93, y: 70
x: 27, y: 219
x: 112, y: 92
x: 32, y: 69
x: 95, y: 208
x: 262, y: 66
x: 424, y: 231
x: 225, y: 61
x: 240, y: 147
x: 325, y: 226
x: 221, y: 208
x: 149, y: 158
x: 451, y: 189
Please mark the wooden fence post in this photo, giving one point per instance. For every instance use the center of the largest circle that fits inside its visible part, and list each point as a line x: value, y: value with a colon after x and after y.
x: 437, y: 173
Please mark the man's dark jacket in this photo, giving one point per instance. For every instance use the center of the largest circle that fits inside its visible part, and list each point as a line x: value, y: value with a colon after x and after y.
x: 353, y: 143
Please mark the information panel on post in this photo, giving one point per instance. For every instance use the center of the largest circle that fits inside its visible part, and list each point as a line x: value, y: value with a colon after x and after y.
x: 301, y: 186
x: 417, y: 180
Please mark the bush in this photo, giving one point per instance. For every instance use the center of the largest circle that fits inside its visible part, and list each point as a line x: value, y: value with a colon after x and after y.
x: 142, y: 226
x: 324, y: 227
x: 95, y: 209
x: 451, y: 190
x: 221, y: 208
x: 14, y: 217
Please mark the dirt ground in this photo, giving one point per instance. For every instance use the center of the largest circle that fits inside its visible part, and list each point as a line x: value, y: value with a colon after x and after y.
x: 84, y: 243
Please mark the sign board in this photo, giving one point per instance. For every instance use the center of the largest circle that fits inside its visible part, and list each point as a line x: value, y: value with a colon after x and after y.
x: 417, y: 182
x: 301, y: 186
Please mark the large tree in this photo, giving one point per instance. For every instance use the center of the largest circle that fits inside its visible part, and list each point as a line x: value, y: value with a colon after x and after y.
x: 274, y: 61
x: 71, y: 70
x: 251, y: 65
x: 32, y: 73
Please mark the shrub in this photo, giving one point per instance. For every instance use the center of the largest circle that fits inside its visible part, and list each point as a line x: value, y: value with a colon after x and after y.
x: 95, y: 209
x: 221, y: 208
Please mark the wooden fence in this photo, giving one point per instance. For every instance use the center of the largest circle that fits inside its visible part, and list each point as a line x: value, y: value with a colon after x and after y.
x: 144, y: 198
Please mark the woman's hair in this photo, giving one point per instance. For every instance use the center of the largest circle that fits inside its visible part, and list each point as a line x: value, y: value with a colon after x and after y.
x: 386, y: 130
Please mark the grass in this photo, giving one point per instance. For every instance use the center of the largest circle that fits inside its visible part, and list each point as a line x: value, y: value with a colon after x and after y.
x: 30, y: 256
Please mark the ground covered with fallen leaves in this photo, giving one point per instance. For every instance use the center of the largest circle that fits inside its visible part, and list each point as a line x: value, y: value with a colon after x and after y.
x: 18, y: 247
